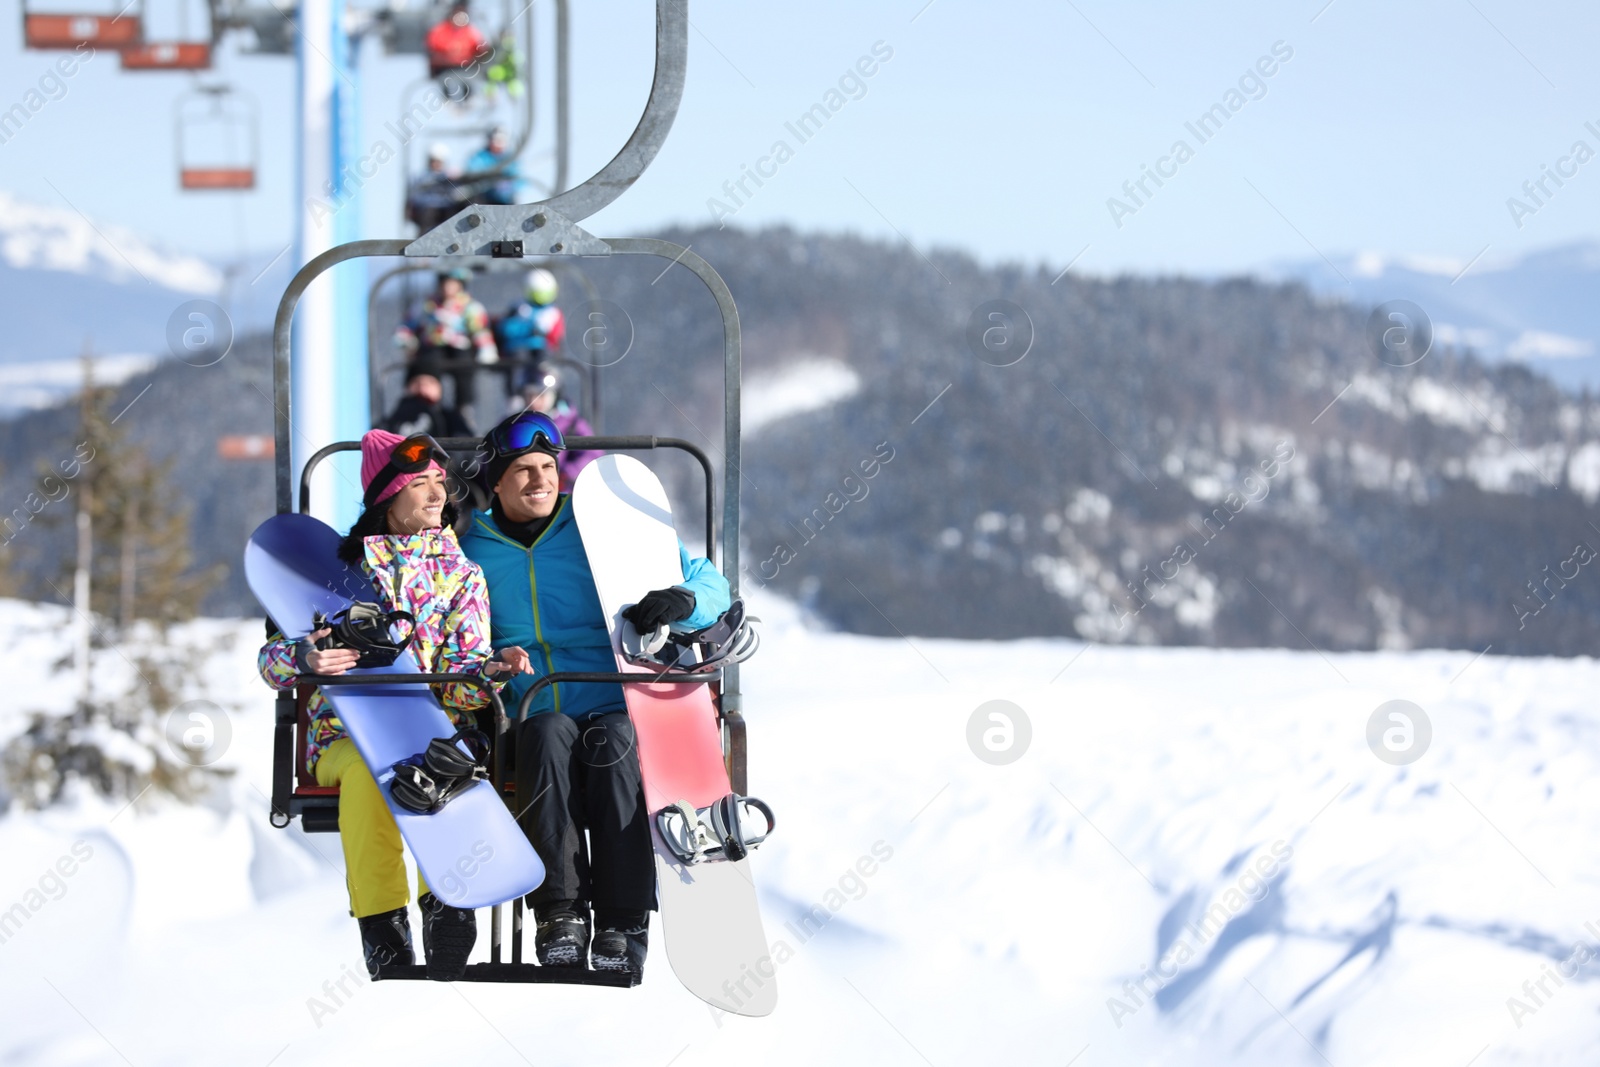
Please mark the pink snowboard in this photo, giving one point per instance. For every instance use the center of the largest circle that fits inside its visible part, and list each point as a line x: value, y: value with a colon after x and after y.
x: 710, y: 915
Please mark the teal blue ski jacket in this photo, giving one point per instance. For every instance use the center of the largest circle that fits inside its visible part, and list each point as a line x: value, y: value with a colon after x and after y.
x: 542, y: 598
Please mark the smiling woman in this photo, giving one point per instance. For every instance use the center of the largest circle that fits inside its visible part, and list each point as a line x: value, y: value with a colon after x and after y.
x: 404, y: 545
x: 405, y: 491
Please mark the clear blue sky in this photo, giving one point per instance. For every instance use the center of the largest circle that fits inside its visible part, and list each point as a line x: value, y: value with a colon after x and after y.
x: 998, y: 128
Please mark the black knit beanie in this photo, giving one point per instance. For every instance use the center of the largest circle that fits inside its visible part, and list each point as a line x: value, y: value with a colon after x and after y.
x: 498, y: 464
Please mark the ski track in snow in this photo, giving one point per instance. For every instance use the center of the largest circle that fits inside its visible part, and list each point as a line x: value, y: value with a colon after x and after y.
x: 1018, y: 899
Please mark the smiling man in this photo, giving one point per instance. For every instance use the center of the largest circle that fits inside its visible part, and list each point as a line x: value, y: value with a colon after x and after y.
x: 576, y: 765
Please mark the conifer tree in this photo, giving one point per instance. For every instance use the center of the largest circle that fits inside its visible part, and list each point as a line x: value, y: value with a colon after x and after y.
x: 139, y: 572
x: 143, y: 565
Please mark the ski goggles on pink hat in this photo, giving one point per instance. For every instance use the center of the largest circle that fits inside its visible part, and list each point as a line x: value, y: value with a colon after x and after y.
x: 410, y: 457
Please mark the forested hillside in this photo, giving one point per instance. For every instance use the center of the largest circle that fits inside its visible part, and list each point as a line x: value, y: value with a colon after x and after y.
x: 1171, y: 461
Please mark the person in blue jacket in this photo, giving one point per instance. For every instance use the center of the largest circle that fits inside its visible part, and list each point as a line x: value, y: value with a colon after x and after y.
x: 493, y: 172
x: 577, y: 767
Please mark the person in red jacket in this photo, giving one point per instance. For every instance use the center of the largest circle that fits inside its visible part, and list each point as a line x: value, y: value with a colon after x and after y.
x: 453, y: 45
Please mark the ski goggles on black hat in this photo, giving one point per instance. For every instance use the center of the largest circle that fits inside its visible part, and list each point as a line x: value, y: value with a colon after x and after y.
x: 411, y: 456
x: 523, y: 433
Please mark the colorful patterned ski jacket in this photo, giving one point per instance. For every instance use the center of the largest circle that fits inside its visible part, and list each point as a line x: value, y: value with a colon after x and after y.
x: 459, y: 322
x: 544, y: 601
x: 428, y: 575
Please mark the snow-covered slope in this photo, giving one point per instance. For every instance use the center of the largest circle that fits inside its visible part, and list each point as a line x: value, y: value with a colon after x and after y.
x: 1330, y: 907
x: 807, y: 383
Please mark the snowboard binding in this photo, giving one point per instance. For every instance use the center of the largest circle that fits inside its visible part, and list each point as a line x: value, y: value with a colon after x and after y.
x: 428, y: 781
x: 368, y: 629
x: 731, y: 639
x: 714, y: 832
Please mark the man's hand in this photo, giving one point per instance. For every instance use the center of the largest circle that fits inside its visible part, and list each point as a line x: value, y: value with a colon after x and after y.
x: 659, y: 607
x: 330, y: 660
x: 510, y: 659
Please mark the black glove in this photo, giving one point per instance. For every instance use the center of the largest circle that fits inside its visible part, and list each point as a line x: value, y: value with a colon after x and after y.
x: 659, y: 607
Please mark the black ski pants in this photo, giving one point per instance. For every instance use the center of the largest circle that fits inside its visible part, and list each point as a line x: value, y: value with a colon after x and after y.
x: 573, y: 777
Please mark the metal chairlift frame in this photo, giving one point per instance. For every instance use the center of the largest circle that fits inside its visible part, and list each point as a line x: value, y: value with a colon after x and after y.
x: 195, y: 179
x: 587, y: 373
x: 547, y: 228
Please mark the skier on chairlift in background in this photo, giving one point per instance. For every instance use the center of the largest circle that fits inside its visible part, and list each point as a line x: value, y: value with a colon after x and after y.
x: 450, y: 334
x: 495, y: 153
x: 454, y: 44
x: 532, y: 329
x: 505, y: 69
x: 423, y: 410
x: 577, y: 765
x: 405, y: 544
x: 436, y: 194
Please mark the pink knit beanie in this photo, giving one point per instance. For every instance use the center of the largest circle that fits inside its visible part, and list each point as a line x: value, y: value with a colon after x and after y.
x: 376, y: 448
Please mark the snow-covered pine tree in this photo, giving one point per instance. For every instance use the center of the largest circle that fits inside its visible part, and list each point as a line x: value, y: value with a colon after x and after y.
x: 140, y: 575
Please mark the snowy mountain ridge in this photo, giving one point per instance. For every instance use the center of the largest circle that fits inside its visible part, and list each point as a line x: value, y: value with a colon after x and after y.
x: 1534, y: 308
x: 42, y: 237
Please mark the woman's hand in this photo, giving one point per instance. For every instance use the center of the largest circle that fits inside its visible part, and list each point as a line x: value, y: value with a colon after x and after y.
x: 510, y: 659
x: 330, y: 660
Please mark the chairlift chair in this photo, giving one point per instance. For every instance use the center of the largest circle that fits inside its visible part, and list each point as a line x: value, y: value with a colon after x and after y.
x: 547, y: 228
x: 586, y: 374
x: 521, y: 120
x: 183, y: 52
x: 168, y: 55
x: 233, y: 114
x: 112, y: 28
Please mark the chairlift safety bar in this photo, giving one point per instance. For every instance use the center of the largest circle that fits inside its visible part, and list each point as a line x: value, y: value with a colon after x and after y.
x: 625, y: 443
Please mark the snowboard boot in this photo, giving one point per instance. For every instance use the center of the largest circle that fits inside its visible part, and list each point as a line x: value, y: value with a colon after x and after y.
x: 620, y: 941
x: 386, y: 940
x: 562, y: 938
x: 448, y: 935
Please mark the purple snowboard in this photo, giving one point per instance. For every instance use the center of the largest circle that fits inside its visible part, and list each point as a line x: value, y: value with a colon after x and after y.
x: 472, y: 853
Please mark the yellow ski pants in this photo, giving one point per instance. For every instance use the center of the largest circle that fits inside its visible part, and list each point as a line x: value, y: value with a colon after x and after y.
x: 374, y: 857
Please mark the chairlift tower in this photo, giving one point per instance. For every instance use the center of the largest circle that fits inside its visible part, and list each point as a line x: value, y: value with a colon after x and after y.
x: 329, y: 392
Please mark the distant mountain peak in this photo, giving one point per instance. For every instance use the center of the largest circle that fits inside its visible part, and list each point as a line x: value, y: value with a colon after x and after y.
x: 42, y: 237
x: 1371, y: 264
x: 1533, y: 307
